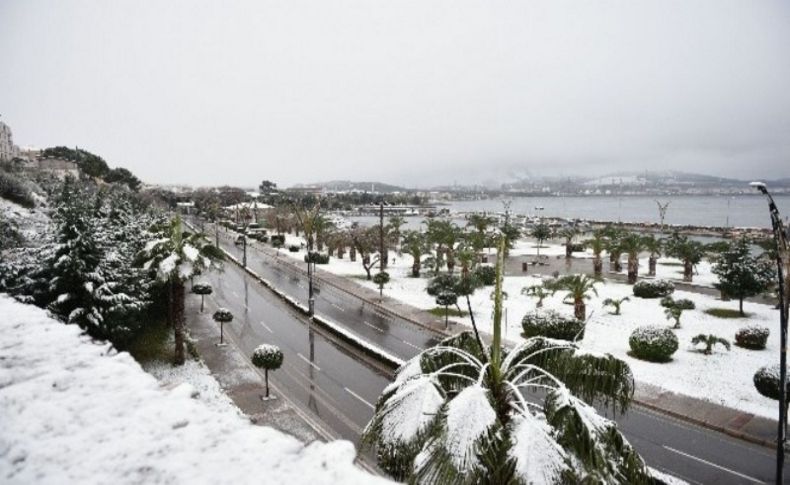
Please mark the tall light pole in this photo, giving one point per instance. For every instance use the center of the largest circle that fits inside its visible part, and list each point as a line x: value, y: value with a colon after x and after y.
x: 783, y: 269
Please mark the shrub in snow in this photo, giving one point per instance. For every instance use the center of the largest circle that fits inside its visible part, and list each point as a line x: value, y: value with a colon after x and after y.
x: 15, y: 189
x: 316, y: 257
x: 442, y: 283
x: 551, y: 324
x: 445, y: 299
x: 202, y: 289
x: 222, y: 315
x: 267, y: 357
x: 753, y: 337
x: 653, y: 288
x: 293, y: 248
x: 766, y: 380
x: 486, y: 275
x: 710, y: 341
x: 682, y: 303
x: 654, y: 343
x: 278, y: 240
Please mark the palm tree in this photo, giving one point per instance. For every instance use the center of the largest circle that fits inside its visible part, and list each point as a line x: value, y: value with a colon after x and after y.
x: 578, y: 287
x: 597, y: 243
x: 615, y: 303
x: 414, y: 244
x: 710, y: 341
x: 467, y: 256
x: 654, y: 246
x: 175, y: 258
x: 569, y: 233
x: 613, y: 236
x: 632, y: 244
x: 541, y: 292
x: 686, y: 250
x: 456, y: 413
x: 540, y: 232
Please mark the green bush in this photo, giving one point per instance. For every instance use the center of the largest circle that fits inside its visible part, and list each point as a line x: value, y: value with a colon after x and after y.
x: 293, y: 248
x: 267, y: 356
x: 551, y: 324
x: 654, y: 343
x: 682, y: 303
x: 278, y: 240
x: 316, y: 257
x: 766, y: 380
x: 14, y: 189
x: 486, y: 275
x: 653, y: 288
x: 442, y: 283
x: 753, y: 337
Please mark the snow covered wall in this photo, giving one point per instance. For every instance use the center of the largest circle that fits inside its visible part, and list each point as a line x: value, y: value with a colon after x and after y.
x: 73, y: 411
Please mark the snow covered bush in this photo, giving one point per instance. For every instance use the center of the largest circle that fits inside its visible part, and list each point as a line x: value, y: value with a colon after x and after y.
x: 486, y: 275
x: 442, y: 283
x: 15, y: 189
x: 293, y: 248
x: 552, y: 324
x: 202, y: 289
x: 278, y: 240
x: 766, y: 381
x: 653, y: 288
x: 316, y: 257
x: 753, y: 337
x: 682, y: 303
x: 654, y: 343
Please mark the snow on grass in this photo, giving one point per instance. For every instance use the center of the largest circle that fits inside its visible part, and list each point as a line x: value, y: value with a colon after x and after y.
x: 31, y: 223
x: 78, y: 412
x: 197, y: 375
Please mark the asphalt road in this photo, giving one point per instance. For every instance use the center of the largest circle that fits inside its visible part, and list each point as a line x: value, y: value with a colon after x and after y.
x: 339, y: 385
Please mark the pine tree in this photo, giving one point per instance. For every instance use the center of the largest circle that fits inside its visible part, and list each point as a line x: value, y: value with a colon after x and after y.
x: 742, y: 275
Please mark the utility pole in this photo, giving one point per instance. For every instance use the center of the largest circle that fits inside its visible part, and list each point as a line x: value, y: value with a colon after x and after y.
x: 244, y: 241
x: 783, y: 269
x: 382, y: 264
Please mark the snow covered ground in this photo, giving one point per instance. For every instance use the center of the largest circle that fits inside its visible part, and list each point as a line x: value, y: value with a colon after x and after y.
x: 724, y: 378
x: 75, y: 411
x: 31, y: 223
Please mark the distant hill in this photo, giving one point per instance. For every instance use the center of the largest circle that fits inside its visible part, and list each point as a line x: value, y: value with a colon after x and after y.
x: 347, y: 185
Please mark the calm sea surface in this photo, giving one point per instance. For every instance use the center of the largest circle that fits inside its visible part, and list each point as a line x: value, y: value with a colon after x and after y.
x: 733, y: 211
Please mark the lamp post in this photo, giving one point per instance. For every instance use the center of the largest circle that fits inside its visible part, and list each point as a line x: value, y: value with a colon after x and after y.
x: 783, y: 269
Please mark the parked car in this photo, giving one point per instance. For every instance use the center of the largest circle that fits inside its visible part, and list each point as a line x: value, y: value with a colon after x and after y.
x: 239, y: 240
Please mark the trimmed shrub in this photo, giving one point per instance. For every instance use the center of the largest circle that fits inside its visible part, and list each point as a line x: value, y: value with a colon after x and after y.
x: 293, y: 248
x: 753, y: 337
x: 654, y: 343
x: 551, y: 324
x: 653, y: 288
x: 278, y: 240
x: 486, y: 275
x: 316, y: 257
x: 766, y: 381
x: 682, y: 303
x: 267, y: 356
x: 442, y: 283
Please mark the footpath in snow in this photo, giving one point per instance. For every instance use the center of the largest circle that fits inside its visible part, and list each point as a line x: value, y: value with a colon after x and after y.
x: 76, y: 411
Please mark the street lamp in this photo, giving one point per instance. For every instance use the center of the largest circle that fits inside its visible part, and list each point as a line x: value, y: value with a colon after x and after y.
x: 783, y: 268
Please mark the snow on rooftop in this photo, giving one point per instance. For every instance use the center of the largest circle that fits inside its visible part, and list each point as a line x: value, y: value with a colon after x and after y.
x: 75, y: 411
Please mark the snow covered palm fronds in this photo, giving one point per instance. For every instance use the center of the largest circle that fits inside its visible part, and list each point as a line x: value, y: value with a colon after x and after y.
x: 456, y: 417
x: 176, y: 255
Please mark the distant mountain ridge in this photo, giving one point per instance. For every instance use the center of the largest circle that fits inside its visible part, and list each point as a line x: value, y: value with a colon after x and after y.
x: 348, y: 185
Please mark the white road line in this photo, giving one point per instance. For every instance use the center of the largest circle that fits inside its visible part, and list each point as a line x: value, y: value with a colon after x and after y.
x: 267, y: 327
x: 411, y: 345
x: 235, y: 294
x: 373, y: 326
x: 747, y: 477
x: 308, y: 361
x: 338, y: 307
x: 359, y: 397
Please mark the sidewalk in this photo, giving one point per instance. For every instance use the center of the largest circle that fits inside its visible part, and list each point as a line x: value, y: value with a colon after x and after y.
x: 242, y: 382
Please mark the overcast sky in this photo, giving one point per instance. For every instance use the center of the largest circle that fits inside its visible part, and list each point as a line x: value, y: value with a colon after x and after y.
x: 408, y: 92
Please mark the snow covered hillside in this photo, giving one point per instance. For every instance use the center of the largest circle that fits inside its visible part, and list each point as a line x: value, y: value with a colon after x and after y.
x: 74, y: 411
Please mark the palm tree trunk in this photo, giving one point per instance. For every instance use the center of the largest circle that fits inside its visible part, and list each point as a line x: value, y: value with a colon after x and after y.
x: 415, y: 268
x: 633, y: 269
x: 352, y: 254
x: 688, y: 269
x: 740, y: 306
x: 597, y: 265
x: 651, y: 266
x: 178, y: 319
x: 618, y: 265
x: 579, y: 309
x: 568, y: 250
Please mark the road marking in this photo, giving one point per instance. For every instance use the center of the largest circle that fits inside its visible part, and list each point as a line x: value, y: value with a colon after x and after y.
x: 747, y: 477
x: 308, y: 361
x: 359, y: 397
x: 411, y: 345
x: 338, y: 307
x: 373, y: 326
x: 267, y: 327
x: 235, y: 294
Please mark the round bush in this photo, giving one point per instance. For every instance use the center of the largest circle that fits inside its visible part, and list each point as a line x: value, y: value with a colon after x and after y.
x: 223, y: 315
x: 766, y: 380
x: 381, y: 278
x: 682, y: 303
x: 293, y: 248
x: 653, y: 288
x: 278, y: 240
x: 486, y: 275
x: 441, y: 283
x: 752, y: 337
x: 267, y: 356
x: 551, y: 324
x: 316, y: 257
x: 655, y: 343
x: 202, y: 289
